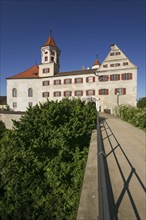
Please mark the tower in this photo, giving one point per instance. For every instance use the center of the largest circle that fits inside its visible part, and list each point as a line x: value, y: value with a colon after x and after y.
x: 50, y: 56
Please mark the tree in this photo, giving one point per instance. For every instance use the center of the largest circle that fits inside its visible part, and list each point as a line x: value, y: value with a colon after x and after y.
x: 43, y: 160
x: 141, y: 103
x: 2, y: 128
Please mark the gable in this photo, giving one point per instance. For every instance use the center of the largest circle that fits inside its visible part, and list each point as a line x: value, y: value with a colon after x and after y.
x: 116, y: 59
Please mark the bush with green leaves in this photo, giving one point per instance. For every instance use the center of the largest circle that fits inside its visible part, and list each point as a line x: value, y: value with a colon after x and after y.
x: 141, y: 103
x: 2, y: 128
x: 133, y: 115
x: 43, y: 160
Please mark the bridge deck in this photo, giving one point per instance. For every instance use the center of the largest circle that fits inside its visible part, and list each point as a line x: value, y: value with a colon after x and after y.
x: 125, y: 148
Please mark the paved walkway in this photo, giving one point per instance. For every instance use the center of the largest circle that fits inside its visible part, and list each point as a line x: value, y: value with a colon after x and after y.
x: 125, y: 148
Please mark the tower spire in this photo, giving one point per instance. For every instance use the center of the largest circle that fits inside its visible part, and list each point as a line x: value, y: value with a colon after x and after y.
x: 50, y: 41
x: 96, y: 63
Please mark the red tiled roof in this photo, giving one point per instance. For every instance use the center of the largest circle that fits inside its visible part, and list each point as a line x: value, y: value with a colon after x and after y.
x: 32, y: 72
x: 96, y: 62
x: 75, y: 72
x: 50, y: 42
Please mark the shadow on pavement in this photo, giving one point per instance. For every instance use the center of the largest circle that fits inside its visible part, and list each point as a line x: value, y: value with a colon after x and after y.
x: 126, y: 181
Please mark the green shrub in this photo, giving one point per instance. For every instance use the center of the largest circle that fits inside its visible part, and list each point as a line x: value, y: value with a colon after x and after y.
x: 2, y: 128
x: 131, y: 114
x: 141, y: 103
x: 43, y: 160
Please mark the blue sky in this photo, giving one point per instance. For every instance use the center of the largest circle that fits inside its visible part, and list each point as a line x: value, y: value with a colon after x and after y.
x: 81, y: 29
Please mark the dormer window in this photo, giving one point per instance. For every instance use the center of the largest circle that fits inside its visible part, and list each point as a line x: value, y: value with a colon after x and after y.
x: 35, y: 74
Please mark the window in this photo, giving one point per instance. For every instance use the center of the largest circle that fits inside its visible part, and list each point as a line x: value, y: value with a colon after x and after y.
x: 14, y: 92
x: 30, y: 104
x: 103, y: 78
x: 105, y: 66
x: 90, y: 92
x: 46, y: 58
x: 52, y: 52
x: 57, y: 82
x: 45, y: 94
x: 46, y: 52
x: 52, y: 59
x: 103, y: 91
x: 115, y: 77
x: 90, y: 79
x: 57, y: 58
x: 121, y: 91
x: 114, y: 64
x: 46, y: 70
x: 79, y: 93
x: 30, y: 92
x: 116, y: 53
x: 125, y: 63
x: 14, y: 104
x: 67, y: 93
x: 46, y: 83
x: 126, y: 76
x: 67, y: 81
x: 35, y: 74
x: 78, y: 80
x: 57, y: 94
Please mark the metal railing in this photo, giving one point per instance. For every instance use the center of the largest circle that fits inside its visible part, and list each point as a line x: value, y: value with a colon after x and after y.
x: 105, y: 194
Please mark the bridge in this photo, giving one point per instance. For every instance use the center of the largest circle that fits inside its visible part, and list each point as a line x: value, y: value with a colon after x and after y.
x: 114, y: 185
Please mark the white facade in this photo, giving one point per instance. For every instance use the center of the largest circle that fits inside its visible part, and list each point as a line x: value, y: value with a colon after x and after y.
x: 113, y: 82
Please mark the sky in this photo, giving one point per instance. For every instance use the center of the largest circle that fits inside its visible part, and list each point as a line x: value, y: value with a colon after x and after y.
x: 81, y: 29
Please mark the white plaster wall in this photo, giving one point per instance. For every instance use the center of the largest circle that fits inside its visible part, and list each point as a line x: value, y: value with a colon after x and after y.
x: 22, y: 86
x: 106, y: 101
x: 46, y: 65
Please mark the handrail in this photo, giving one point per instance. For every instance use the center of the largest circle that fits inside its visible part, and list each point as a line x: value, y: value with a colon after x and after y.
x: 105, y: 195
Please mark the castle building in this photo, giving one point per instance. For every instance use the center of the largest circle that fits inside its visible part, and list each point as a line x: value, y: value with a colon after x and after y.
x: 114, y: 81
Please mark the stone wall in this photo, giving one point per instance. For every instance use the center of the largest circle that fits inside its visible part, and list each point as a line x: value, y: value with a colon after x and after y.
x: 7, y: 116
